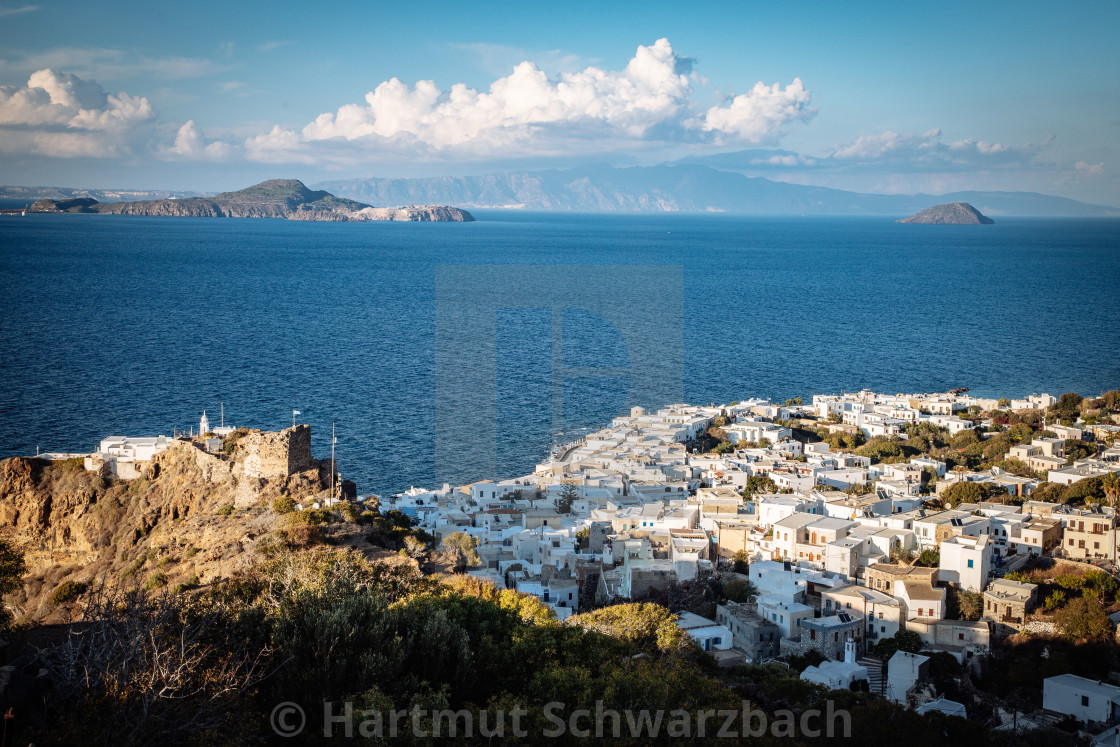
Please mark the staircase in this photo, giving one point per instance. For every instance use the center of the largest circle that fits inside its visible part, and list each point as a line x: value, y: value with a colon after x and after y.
x: 875, y: 678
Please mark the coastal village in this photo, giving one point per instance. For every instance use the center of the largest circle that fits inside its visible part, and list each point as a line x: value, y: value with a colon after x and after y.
x: 871, y: 535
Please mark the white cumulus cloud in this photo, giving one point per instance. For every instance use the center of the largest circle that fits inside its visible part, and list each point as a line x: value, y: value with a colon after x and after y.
x: 759, y: 116
x: 651, y: 100
x: 60, y: 114
x: 191, y: 143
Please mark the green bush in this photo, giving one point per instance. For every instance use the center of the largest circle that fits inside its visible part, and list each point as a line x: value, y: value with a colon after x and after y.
x: 351, y: 512
x: 67, y: 591
x: 225, y: 510
x: 1055, y: 600
x: 309, y: 517
x: 155, y: 581
x: 284, y: 504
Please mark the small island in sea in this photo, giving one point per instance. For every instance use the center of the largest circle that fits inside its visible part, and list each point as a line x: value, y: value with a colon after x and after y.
x: 276, y: 198
x: 951, y: 214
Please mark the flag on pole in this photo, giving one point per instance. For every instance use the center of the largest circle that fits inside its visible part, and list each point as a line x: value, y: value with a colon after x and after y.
x: 295, y: 412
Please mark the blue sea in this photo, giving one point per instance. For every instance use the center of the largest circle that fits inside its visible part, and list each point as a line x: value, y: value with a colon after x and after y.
x: 126, y: 325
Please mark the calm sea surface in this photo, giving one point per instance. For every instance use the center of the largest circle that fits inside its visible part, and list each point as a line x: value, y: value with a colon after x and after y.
x: 119, y: 325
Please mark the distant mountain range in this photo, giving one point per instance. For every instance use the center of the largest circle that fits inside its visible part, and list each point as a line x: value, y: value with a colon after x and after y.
x: 275, y: 198
x: 31, y: 194
x: 682, y: 188
x: 678, y: 187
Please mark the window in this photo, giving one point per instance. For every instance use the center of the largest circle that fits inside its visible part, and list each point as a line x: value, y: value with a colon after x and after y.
x: 1085, y: 701
x: 970, y: 563
x: 960, y: 636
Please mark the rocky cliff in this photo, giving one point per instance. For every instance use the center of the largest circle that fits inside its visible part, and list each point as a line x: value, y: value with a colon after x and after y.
x: 192, y: 519
x: 277, y: 198
x: 952, y: 213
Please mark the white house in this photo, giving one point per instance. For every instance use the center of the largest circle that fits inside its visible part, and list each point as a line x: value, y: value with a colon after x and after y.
x: 127, y: 456
x: 882, y: 612
x: 773, y: 508
x: 904, y: 670
x: 708, y: 634
x: 966, y: 561
x: 785, y: 614
x: 782, y: 579
x: 1084, y: 699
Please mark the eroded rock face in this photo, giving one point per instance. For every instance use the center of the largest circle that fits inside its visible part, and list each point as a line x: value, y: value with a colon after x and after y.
x: 74, y: 524
x: 952, y: 213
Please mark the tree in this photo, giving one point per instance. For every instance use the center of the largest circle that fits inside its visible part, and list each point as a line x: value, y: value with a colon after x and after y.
x: 1110, y: 484
x: 739, y: 590
x: 568, y: 496
x: 929, y: 559
x: 758, y: 484
x: 903, y: 640
x: 741, y: 561
x: 1102, y: 585
x: 583, y: 538
x: 964, y: 605
x: 724, y: 447
x: 1084, y: 620
x: 1068, y: 406
x: 645, y: 627
x: 460, y: 549
x: 1089, y: 490
x: 1076, y: 450
x: 969, y: 492
x: 415, y: 548
x: 1003, y: 402
x: 12, y: 568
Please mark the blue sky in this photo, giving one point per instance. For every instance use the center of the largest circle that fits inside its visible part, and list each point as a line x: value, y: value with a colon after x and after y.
x: 885, y: 97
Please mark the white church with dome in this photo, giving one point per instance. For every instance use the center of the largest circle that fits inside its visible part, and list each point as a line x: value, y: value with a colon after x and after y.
x: 838, y: 675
